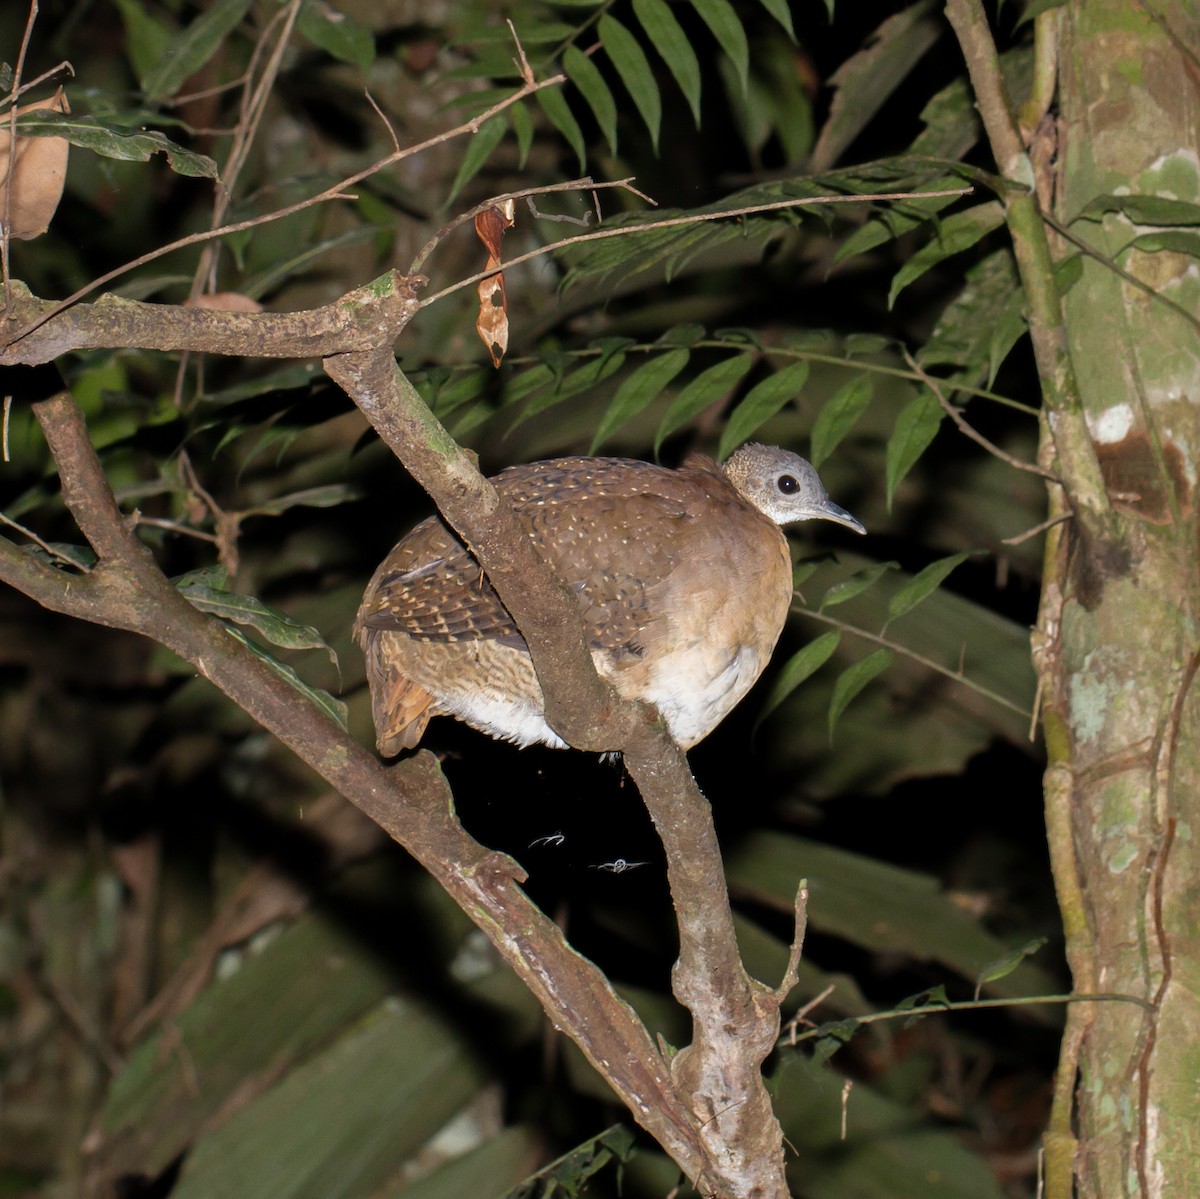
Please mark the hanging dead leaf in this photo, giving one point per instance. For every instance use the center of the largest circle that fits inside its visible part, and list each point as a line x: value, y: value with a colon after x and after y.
x: 492, y: 323
x: 31, y: 181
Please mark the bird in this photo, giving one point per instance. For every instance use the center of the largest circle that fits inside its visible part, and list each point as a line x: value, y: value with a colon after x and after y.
x: 682, y: 576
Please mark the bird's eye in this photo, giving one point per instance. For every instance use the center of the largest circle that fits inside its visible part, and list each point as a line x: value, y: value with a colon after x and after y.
x: 788, y: 484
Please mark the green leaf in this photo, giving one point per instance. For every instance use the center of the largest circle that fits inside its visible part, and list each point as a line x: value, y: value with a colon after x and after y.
x: 330, y: 495
x: 277, y: 627
x: 585, y: 75
x: 839, y: 416
x: 337, y: 33
x: 955, y: 234
x: 1144, y: 210
x: 922, y: 585
x: 631, y: 64
x: 853, y: 680
x: 705, y: 389
x: 594, y: 371
x: 146, y: 38
x: 333, y: 708
x: 522, y: 124
x: 479, y: 148
x: 1003, y: 967
x: 916, y: 427
x: 856, y: 584
x: 115, y: 141
x: 1176, y: 240
x: 667, y: 37
x: 867, y: 78
x: 797, y: 669
x: 722, y: 20
x: 637, y: 391
x: 782, y: 13
x: 560, y: 116
x: 761, y: 403
x: 192, y: 47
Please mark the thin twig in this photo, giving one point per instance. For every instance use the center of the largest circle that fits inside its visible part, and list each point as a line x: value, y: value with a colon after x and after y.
x: 964, y: 428
x: 45, y: 545
x: 336, y: 192
x: 586, y: 183
x: 887, y: 643
x: 690, y: 219
x: 1037, y: 529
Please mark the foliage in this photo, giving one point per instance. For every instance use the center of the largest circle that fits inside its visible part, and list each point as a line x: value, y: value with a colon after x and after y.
x: 173, y: 879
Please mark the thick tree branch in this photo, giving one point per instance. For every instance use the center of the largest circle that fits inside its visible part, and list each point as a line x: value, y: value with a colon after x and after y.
x: 735, y: 1019
x: 368, y: 316
x: 411, y: 801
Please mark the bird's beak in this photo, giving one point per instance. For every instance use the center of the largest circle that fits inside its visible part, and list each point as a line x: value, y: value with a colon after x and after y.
x: 830, y: 511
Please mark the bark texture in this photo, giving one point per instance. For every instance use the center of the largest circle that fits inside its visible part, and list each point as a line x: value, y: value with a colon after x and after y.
x: 1118, y: 642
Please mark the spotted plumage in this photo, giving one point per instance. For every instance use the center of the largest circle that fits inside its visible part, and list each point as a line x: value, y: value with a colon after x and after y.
x: 683, y: 580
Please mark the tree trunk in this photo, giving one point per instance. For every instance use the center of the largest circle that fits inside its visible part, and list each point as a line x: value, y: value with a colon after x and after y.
x: 1118, y: 642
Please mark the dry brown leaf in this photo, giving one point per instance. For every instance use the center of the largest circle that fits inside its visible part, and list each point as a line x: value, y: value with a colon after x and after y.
x: 492, y: 323
x: 37, y: 179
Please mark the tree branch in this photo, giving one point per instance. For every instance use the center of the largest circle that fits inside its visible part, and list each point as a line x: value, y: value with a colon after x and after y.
x: 735, y: 1019
x: 411, y: 801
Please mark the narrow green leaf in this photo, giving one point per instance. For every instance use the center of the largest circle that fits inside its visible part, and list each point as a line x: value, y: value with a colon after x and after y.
x: 631, y: 64
x: 337, y: 33
x: 115, y: 141
x: 585, y: 75
x: 1068, y: 272
x: 722, y: 20
x: 955, y: 234
x: 705, y: 389
x: 1003, y: 967
x: 839, y: 416
x: 277, y: 627
x: 558, y: 111
x: 192, y: 47
x: 667, y: 37
x: 798, y: 668
x: 638, y: 391
x: 330, y: 495
x: 852, y: 680
x: 922, y: 585
x: 594, y: 371
x: 782, y: 13
x: 916, y: 427
x: 146, y: 38
x: 761, y: 403
x: 1144, y: 210
x: 1011, y: 326
x: 333, y: 708
x: 522, y: 124
x: 1176, y: 240
x: 856, y: 584
x: 488, y: 137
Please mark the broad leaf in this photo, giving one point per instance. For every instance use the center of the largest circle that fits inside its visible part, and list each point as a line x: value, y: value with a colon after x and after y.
x: 847, y: 589
x: 955, y: 234
x: 560, y: 116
